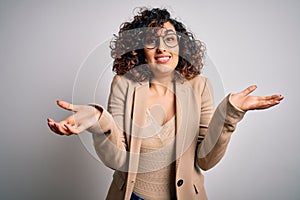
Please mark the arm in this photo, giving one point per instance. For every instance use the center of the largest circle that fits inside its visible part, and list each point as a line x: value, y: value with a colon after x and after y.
x: 217, y: 134
x: 109, y: 139
x: 108, y: 134
x: 217, y: 131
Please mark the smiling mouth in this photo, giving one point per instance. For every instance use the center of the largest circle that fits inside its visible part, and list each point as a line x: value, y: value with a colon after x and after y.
x: 163, y: 59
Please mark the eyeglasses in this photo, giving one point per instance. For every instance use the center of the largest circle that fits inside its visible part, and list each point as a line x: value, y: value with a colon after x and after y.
x: 171, y: 40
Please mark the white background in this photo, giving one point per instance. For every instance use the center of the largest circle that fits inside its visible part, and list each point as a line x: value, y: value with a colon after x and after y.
x: 44, y: 43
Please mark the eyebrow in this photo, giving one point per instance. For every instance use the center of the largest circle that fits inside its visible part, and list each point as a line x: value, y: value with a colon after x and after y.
x: 166, y: 32
x: 169, y: 31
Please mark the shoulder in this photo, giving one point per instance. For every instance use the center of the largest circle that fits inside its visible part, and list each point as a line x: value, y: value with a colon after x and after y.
x: 199, y: 83
x: 199, y: 79
x: 122, y: 84
x: 123, y: 80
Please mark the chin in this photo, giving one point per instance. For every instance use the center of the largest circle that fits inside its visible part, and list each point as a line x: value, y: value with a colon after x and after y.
x: 161, y: 69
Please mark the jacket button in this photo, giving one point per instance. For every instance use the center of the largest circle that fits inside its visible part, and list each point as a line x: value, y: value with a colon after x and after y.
x: 179, y: 183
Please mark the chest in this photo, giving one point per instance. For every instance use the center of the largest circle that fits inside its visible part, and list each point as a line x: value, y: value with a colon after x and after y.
x: 161, y: 107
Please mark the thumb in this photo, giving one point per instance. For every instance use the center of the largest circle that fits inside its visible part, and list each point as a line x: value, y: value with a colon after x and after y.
x: 249, y: 89
x: 67, y: 105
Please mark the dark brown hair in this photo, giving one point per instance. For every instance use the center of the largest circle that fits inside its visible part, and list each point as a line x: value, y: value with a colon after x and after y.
x: 128, y: 53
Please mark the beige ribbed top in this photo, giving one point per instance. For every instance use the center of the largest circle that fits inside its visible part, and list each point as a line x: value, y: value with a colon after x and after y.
x: 157, y: 162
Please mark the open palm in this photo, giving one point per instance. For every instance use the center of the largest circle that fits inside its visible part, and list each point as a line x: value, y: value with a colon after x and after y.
x: 83, y: 118
x: 245, y: 102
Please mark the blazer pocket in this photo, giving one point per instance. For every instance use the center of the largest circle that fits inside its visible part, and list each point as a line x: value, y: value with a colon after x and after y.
x: 119, y: 180
x: 198, y: 184
x: 195, y: 188
x: 199, y: 190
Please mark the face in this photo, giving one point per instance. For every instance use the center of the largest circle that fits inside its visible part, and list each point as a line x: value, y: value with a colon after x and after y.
x: 162, y: 52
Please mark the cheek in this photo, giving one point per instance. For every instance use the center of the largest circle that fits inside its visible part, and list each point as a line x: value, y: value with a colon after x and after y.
x: 176, y: 60
x: 176, y: 55
x: 149, y: 56
x: 175, y: 51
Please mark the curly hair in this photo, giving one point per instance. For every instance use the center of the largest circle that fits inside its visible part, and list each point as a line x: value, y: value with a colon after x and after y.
x: 128, y: 53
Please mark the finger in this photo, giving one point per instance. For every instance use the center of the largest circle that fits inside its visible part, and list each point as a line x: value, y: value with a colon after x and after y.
x: 270, y: 104
x: 249, y: 89
x: 61, y: 128
x: 50, y: 120
x: 53, y: 128
x: 267, y: 104
x: 278, y: 97
x: 67, y: 105
x: 68, y: 129
x: 72, y: 129
x: 58, y: 127
x: 274, y: 97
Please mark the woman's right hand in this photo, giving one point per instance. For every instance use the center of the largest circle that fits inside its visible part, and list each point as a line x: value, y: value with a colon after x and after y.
x: 84, y: 117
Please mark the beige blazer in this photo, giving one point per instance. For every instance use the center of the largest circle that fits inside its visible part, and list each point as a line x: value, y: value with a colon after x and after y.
x: 201, y: 135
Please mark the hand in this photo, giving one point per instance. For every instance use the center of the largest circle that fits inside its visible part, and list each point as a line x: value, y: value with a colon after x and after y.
x: 245, y: 102
x: 83, y: 118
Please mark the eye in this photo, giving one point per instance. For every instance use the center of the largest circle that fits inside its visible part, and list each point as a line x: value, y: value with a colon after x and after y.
x: 170, y: 38
x: 150, y: 40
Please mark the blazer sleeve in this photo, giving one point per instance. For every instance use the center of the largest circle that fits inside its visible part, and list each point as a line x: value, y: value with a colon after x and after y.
x: 215, y: 129
x: 108, y: 135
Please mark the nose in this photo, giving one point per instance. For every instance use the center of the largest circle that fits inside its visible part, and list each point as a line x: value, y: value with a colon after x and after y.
x: 161, y: 45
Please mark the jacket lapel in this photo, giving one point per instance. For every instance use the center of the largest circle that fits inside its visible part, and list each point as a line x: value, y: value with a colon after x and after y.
x: 138, y: 115
x: 187, y: 117
x: 182, y: 100
x: 138, y: 121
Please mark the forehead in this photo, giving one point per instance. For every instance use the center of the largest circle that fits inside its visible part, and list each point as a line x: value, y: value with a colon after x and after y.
x: 167, y: 28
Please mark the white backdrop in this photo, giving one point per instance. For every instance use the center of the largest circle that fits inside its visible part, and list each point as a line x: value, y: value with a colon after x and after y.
x: 44, y: 43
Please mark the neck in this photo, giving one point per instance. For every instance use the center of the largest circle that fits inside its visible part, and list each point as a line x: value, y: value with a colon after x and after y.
x: 164, y: 79
x: 161, y: 87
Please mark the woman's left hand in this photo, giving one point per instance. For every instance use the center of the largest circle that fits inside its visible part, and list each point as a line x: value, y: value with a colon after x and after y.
x: 245, y: 102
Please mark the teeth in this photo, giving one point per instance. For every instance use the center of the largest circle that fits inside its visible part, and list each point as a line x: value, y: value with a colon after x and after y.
x: 163, y: 58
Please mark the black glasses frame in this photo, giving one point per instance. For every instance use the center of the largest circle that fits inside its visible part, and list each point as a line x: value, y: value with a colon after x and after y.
x: 157, y: 42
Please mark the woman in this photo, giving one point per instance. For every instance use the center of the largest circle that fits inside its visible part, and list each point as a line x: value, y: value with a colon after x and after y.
x: 159, y: 131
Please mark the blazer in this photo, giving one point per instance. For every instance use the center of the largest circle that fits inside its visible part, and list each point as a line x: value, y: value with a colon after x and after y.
x: 201, y: 134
